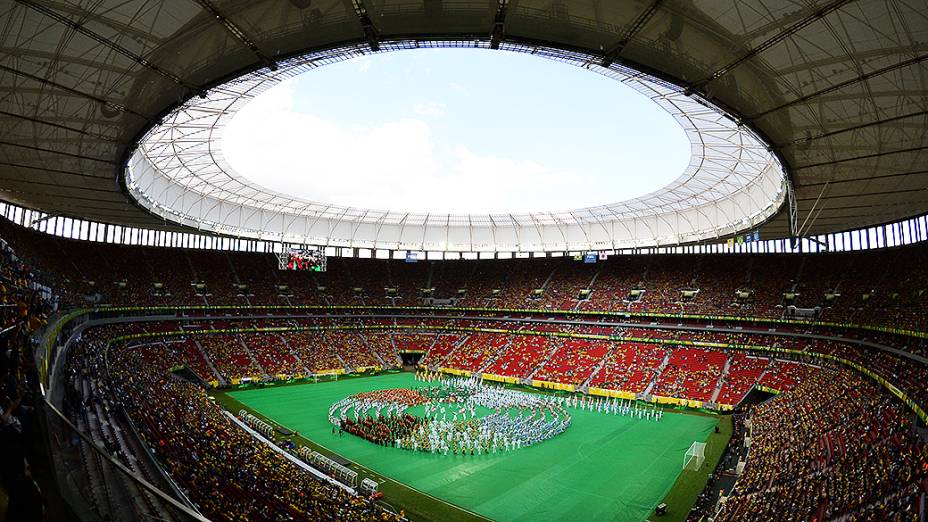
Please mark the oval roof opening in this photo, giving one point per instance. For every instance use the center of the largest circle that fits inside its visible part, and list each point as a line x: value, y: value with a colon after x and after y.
x: 456, y: 131
x: 352, y: 169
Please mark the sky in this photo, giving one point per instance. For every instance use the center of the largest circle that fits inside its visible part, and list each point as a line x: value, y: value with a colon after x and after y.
x: 456, y: 131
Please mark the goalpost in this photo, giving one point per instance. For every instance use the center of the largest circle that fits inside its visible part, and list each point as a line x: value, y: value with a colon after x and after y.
x: 695, y: 456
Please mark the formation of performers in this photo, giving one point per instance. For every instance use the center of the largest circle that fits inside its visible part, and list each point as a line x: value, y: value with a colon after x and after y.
x: 615, y: 406
x: 379, y: 416
x: 449, y: 423
x: 607, y: 405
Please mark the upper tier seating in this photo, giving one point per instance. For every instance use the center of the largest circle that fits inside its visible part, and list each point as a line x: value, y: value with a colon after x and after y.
x: 867, y: 287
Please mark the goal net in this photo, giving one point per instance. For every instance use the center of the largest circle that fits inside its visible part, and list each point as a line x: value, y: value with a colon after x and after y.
x: 695, y: 456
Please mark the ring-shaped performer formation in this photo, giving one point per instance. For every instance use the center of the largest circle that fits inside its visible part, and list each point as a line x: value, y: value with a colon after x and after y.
x: 465, y: 416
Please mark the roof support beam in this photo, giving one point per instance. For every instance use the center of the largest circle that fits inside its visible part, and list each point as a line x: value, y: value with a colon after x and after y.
x: 838, y: 86
x: 770, y: 42
x: 499, y: 21
x: 371, y: 34
x: 77, y: 27
x: 48, y: 169
x: 792, y: 209
x: 134, y: 31
x: 61, y: 57
x: 610, y: 56
x: 53, y: 151
x: 869, y: 178
x: 875, y: 123
x: 817, y: 242
x: 45, y: 81
x: 865, y: 156
x: 41, y: 219
x: 238, y: 33
x: 59, y: 126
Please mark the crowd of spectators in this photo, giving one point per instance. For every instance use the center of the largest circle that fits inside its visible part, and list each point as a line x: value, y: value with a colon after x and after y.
x: 24, y: 308
x: 444, y: 345
x: 230, y: 357
x: 573, y: 361
x: 631, y: 367
x: 835, y: 447
x: 312, y: 350
x: 843, y: 287
x: 783, y: 376
x: 691, y: 373
x: 351, y: 349
x: 411, y: 343
x: 226, y: 472
x: 273, y: 355
x: 743, y: 373
x: 193, y: 357
x: 839, y: 445
x: 714, y: 375
x: 476, y: 351
x: 522, y: 356
x: 384, y: 347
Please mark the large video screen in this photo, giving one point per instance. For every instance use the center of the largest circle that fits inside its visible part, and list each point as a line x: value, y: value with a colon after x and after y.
x: 303, y: 259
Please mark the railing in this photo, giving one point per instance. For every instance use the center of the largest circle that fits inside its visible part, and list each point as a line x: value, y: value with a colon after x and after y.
x: 96, y: 485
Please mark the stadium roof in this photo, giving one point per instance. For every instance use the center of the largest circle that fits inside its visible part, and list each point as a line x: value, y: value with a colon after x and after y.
x: 837, y: 89
x: 732, y: 183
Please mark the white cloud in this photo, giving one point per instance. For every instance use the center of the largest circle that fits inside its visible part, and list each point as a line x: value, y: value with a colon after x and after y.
x: 389, y: 165
x: 300, y: 154
x: 430, y: 108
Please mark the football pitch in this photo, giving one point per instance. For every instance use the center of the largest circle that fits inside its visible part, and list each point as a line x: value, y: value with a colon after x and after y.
x: 603, y: 467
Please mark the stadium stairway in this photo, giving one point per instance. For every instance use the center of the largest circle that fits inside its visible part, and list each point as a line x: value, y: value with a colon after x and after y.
x: 338, y: 356
x: 110, y: 432
x: 424, y: 353
x: 222, y: 380
x: 589, y: 285
x: 397, y: 360
x: 541, y: 364
x: 434, y: 341
x: 544, y: 286
x: 585, y: 385
x: 428, y: 280
x: 229, y: 262
x: 461, y: 342
x: 721, y: 381
x: 251, y: 356
x: 376, y: 355
x: 657, y: 375
x: 296, y: 356
x: 490, y: 360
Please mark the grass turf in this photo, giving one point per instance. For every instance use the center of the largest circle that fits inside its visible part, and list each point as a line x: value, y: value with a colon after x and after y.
x: 603, y: 467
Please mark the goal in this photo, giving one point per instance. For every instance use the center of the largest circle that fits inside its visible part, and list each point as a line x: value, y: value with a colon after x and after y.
x: 695, y: 456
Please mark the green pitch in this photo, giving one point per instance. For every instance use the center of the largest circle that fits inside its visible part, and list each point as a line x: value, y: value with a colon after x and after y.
x: 603, y: 467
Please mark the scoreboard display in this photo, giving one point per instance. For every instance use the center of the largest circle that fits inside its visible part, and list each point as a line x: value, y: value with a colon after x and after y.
x: 302, y: 259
